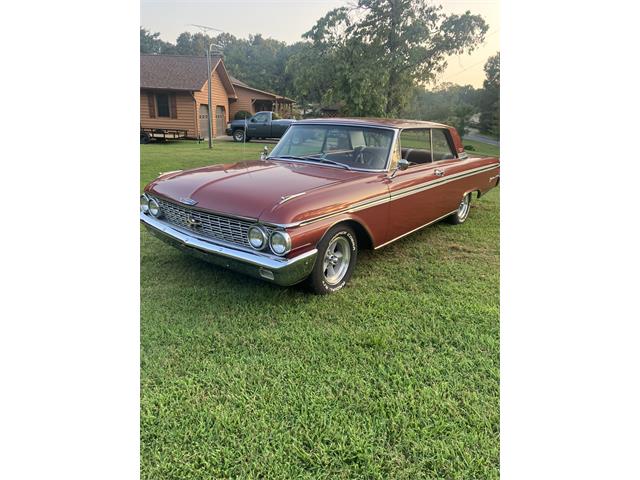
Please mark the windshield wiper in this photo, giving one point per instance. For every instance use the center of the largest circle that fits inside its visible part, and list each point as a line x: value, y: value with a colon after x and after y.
x: 292, y: 157
x: 333, y: 162
x: 313, y: 158
x: 326, y: 160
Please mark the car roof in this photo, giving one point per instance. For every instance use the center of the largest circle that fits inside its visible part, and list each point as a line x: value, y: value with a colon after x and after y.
x: 373, y: 122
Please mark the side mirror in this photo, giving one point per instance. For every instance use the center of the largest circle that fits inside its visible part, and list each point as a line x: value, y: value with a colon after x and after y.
x: 265, y: 153
x: 403, y: 164
x: 253, y: 120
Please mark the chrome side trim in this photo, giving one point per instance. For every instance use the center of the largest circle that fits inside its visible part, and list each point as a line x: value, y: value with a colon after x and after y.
x: 415, y: 229
x: 440, y: 181
x: 380, y: 199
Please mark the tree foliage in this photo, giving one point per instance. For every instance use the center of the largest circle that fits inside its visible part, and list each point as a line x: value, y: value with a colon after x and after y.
x: 151, y: 43
x: 448, y: 103
x: 372, y: 58
x: 381, y: 48
x: 490, y: 116
x: 258, y: 61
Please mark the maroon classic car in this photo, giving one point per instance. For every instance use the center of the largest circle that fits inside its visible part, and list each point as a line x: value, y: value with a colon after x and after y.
x: 328, y: 189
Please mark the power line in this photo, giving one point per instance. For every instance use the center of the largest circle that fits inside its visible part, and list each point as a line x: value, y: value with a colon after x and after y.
x: 470, y: 66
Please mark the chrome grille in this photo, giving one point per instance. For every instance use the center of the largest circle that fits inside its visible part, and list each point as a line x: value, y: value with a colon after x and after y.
x: 208, y: 225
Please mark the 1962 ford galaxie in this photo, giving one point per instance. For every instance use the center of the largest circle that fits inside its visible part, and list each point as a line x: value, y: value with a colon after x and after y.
x: 328, y: 189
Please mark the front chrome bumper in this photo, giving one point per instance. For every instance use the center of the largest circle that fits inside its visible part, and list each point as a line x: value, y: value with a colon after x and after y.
x: 282, y: 271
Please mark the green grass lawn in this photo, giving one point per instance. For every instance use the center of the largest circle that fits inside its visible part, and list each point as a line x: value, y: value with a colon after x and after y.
x: 395, y: 376
x: 482, y: 148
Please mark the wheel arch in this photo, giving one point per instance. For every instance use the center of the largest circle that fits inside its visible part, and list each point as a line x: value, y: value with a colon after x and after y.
x: 471, y: 191
x: 363, y: 236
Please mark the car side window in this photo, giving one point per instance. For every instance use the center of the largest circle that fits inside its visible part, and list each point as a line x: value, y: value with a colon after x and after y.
x: 441, y: 146
x: 416, y: 145
x: 262, y: 117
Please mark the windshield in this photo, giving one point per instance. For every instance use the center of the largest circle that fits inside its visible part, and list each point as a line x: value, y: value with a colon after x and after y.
x: 350, y: 147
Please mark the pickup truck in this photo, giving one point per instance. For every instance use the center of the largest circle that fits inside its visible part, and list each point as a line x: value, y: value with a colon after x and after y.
x: 261, y: 125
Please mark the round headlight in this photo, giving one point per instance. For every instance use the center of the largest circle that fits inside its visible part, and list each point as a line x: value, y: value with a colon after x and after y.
x: 257, y: 237
x: 154, y: 207
x: 144, y: 204
x: 280, y: 243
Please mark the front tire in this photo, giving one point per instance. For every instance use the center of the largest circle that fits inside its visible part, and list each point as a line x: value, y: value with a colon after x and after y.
x: 238, y: 135
x: 463, y: 211
x: 336, y: 260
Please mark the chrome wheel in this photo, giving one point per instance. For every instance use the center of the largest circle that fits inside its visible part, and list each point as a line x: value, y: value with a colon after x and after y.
x: 238, y: 135
x: 336, y: 260
x: 463, y: 208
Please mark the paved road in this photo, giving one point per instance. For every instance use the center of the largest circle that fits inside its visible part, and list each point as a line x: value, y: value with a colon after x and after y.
x: 478, y: 137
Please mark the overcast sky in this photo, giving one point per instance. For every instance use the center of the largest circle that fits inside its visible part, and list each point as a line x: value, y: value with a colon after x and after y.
x: 287, y: 20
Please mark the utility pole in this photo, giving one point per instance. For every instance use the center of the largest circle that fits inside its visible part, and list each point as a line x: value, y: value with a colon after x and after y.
x: 209, y: 96
x: 204, y: 29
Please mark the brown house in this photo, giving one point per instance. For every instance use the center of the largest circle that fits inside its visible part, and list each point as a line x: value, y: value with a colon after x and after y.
x: 173, y: 95
x: 253, y: 100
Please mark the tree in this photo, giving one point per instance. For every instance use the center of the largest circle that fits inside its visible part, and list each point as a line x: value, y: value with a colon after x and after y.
x: 448, y: 103
x: 490, y: 115
x: 258, y: 61
x: 151, y: 43
x: 383, y: 47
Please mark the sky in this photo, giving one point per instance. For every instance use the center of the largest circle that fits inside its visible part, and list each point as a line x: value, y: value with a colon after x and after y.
x: 287, y: 20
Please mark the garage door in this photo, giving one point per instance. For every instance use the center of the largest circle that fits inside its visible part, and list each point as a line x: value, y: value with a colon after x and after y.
x: 204, y: 117
x: 221, y: 120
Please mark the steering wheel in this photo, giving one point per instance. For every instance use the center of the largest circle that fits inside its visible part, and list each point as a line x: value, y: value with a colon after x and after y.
x: 358, y: 154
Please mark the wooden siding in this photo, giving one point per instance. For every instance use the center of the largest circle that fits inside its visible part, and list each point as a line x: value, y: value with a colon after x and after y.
x: 184, y: 108
x: 219, y: 97
x: 245, y: 97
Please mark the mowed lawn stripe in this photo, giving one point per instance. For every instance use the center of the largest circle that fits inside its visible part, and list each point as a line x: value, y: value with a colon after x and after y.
x: 396, y: 376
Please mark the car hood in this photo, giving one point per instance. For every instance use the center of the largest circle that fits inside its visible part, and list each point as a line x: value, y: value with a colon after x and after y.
x: 247, y: 189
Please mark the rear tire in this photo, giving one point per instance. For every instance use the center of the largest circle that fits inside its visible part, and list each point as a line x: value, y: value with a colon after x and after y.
x: 336, y: 260
x: 144, y: 138
x: 463, y: 211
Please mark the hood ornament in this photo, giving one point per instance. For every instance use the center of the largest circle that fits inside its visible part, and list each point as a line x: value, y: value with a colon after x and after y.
x: 187, y: 201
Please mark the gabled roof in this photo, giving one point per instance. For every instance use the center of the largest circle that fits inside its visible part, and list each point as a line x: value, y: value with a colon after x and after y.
x: 180, y: 72
x: 235, y: 81
x: 240, y: 83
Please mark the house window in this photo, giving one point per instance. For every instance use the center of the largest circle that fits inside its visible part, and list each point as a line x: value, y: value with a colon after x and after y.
x: 162, y: 101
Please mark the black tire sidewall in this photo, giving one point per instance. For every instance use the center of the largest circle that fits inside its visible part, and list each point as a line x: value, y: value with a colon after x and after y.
x: 234, y: 135
x: 317, y: 280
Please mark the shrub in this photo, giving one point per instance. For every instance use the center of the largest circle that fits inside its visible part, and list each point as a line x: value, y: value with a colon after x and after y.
x: 242, y: 114
x: 471, y: 148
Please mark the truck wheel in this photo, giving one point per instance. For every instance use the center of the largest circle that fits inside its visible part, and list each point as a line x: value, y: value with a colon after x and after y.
x: 238, y: 135
x: 144, y: 138
x: 463, y: 211
x: 337, y: 255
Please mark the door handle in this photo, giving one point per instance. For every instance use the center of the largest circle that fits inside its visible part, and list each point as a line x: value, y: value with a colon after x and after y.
x: 439, y: 172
